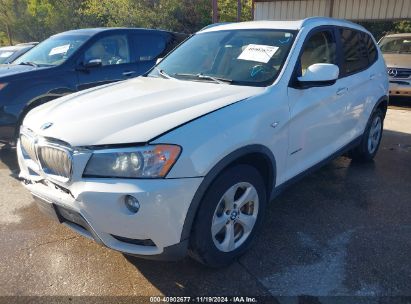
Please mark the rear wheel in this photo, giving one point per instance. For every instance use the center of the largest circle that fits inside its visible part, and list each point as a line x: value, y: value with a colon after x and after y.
x: 229, y: 217
x: 371, y: 138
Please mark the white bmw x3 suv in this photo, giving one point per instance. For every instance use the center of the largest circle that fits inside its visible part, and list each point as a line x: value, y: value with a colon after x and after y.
x: 185, y: 158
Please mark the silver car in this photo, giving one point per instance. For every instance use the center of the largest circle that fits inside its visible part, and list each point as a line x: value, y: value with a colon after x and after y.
x: 10, y: 53
x: 396, y: 49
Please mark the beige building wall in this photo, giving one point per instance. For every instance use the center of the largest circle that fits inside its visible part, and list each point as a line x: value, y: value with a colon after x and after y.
x: 359, y: 10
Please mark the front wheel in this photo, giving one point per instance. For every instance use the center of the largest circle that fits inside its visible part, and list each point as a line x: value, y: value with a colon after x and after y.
x: 229, y: 217
x: 371, y: 138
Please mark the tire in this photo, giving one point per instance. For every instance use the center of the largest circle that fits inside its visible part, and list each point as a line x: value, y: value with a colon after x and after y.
x: 242, y: 215
x: 23, y: 115
x: 371, y: 139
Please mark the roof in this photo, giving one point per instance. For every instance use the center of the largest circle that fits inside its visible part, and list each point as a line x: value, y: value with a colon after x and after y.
x: 283, y: 25
x: 399, y: 35
x: 28, y: 43
x: 14, y: 48
x: 289, y: 25
x: 94, y: 31
x: 86, y: 31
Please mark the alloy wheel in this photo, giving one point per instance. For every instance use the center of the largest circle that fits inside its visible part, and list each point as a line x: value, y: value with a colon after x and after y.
x: 235, y: 216
x: 374, y: 136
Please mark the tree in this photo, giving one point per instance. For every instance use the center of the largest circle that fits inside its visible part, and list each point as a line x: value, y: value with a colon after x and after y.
x: 229, y: 10
x: 382, y: 28
x: 176, y: 15
x: 3, y: 38
x: 7, y: 17
x: 35, y: 20
x: 402, y: 26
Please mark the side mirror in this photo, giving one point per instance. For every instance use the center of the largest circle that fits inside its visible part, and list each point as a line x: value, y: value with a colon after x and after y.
x: 93, y: 63
x: 319, y: 74
x: 158, y: 60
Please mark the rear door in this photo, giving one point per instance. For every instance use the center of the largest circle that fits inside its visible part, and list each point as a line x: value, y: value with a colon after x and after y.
x: 357, y: 78
x: 116, y: 63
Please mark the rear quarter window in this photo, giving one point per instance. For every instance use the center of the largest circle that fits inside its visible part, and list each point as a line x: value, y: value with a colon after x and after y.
x: 371, y: 48
x: 148, y: 47
x: 354, y: 51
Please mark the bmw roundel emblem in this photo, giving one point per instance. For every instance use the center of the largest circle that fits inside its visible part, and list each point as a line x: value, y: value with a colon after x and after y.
x: 46, y: 125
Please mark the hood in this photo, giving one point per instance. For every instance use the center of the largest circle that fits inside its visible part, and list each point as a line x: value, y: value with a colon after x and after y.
x: 12, y: 69
x: 132, y: 111
x: 398, y: 60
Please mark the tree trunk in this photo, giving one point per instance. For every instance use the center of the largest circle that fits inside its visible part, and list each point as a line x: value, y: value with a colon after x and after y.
x: 9, y: 34
x: 239, y: 7
x: 215, y: 11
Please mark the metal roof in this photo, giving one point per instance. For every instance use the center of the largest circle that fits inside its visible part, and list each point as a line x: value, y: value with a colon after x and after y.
x: 356, y: 10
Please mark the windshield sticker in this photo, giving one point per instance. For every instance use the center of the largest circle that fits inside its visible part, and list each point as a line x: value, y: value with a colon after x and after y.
x: 259, y: 53
x: 5, y: 54
x: 59, y: 50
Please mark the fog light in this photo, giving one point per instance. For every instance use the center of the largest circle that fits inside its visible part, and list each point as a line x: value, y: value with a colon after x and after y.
x: 132, y: 203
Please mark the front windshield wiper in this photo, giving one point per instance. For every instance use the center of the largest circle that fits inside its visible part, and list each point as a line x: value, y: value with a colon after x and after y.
x: 201, y: 76
x: 29, y: 63
x: 163, y: 74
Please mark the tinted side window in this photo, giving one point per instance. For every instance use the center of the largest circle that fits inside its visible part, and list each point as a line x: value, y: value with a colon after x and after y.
x: 372, y: 50
x: 319, y: 48
x: 148, y: 46
x: 355, y: 53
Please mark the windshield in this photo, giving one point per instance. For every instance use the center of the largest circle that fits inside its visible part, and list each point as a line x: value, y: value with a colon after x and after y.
x: 240, y: 57
x: 4, y: 55
x: 396, y: 45
x: 53, y: 51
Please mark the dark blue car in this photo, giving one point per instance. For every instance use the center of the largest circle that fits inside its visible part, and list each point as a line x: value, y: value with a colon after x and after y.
x: 73, y: 61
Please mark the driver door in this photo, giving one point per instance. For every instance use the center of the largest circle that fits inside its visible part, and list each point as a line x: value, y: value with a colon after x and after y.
x: 316, y: 128
x: 114, y: 53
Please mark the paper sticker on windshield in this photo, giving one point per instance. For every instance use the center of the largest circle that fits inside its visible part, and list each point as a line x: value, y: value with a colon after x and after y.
x: 59, y: 50
x: 258, y: 52
x: 5, y: 54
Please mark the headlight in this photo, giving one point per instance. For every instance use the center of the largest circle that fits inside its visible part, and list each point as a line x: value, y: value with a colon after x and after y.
x: 138, y: 162
x: 3, y: 85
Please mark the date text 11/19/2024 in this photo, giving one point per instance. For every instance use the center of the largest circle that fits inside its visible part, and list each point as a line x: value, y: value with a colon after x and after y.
x: 202, y: 299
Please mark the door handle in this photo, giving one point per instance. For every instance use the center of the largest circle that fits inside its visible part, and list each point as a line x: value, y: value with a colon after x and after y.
x: 128, y: 73
x: 342, y: 91
x: 372, y: 76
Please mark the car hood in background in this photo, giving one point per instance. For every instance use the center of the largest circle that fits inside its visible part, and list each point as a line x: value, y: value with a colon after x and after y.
x: 12, y: 69
x: 131, y: 111
x: 398, y: 60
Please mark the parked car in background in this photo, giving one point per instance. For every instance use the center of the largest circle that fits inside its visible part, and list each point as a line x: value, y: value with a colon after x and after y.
x: 74, y: 61
x: 186, y: 158
x: 10, y: 53
x: 396, y: 49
